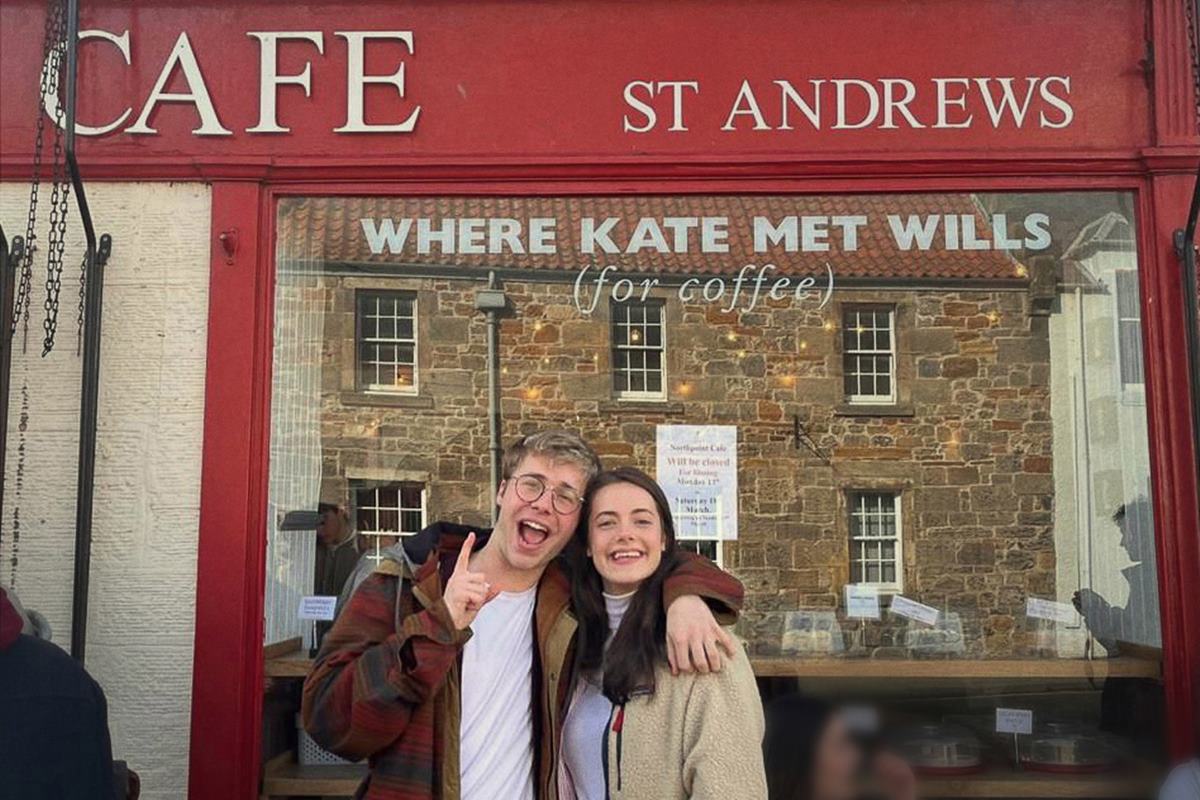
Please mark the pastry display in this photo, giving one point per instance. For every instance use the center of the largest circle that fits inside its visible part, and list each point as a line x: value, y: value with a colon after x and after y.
x: 940, y: 749
x: 812, y: 633
x: 1068, y: 748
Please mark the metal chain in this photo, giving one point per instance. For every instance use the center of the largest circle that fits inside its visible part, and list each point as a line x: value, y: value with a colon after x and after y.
x: 60, y: 194
x: 82, y: 299
x: 25, y: 286
x: 1194, y: 50
x: 19, y: 480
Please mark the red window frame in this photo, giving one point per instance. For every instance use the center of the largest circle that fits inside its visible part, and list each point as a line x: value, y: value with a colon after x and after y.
x: 228, y: 664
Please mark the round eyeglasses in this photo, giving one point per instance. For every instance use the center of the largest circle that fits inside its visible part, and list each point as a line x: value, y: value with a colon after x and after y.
x: 530, y: 487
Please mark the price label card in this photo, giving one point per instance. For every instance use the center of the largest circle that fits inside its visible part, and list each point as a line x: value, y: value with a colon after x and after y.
x: 911, y: 609
x: 1014, y: 720
x: 1052, y: 610
x: 862, y: 601
x: 318, y: 606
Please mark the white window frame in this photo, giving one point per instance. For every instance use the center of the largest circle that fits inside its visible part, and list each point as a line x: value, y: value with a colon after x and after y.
x: 720, y: 549
x: 1135, y: 390
x: 896, y: 586
x: 649, y: 305
x: 361, y: 339
x: 357, y: 486
x: 890, y: 352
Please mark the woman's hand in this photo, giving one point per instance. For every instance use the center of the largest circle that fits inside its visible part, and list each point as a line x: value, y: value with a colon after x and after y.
x: 466, y: 592
x: 694, y: 639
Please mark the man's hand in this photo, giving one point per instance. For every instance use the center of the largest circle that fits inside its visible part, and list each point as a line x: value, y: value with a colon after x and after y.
x: 694, y: 639
x: 466, y: 592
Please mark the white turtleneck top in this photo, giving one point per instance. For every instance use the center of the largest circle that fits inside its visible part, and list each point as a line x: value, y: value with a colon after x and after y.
x: 583, y: 731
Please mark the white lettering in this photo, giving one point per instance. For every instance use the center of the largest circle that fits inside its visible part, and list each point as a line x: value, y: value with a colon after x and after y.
x: 269, y: 78
x: 197, y: 94
x: 746, y: 95
x: 357, y: 80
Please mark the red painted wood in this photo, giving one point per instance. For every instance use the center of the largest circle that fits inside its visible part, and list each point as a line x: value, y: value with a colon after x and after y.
x: 542, y: 80
x: 227, y: 678
x: 525, y: 98
x: 1173, y: 460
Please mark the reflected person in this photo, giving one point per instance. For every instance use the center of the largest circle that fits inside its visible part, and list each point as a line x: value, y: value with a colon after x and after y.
x: 1131, y: 707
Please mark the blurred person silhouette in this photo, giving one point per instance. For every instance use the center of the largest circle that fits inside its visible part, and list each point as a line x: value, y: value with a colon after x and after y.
x: 811, y: 754
x: 1137, y: 620
x: 54, y: 742
x: 337, y: 555
x: 1131, y: 707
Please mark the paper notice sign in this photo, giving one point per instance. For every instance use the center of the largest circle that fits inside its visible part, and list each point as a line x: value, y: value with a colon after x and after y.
x: 1014, y: 720
x: 911, y: 609
x: 1051, y: 610
x: 862, y: 601
x: 318, y: 606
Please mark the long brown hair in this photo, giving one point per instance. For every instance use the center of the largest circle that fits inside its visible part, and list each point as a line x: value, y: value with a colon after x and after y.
x: 639, y: 645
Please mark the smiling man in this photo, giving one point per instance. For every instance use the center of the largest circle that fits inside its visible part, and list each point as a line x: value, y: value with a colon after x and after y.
x: 451, y: 665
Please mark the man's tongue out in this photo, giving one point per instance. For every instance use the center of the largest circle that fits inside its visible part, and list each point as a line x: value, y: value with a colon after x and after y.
x: 531, y: 534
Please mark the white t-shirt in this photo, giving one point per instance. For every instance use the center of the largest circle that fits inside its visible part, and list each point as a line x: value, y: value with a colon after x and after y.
x: 583, y: 732
x: 496, y: 731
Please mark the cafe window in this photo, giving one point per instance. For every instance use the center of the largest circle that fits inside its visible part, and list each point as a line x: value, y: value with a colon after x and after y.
x: 387, y: 342
x: 1129, y: 329
x: 384, y: 513
x: 638, y: 351
x: 876, y: 555
x: 936, y: 410
x: 869, y: 354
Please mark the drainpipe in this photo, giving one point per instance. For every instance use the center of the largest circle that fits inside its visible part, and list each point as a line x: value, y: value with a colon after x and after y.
x: 492, y: 301
x: 94, y: 260
x: 8, y: 274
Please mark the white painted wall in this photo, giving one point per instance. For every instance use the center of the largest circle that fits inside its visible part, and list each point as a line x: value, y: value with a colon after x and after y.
x: 147, y: 499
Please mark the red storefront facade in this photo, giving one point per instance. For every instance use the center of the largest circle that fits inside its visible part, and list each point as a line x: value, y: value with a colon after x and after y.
x: 270, y: 101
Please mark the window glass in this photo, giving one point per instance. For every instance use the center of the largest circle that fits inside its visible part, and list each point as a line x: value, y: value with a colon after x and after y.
x: 939, y: 469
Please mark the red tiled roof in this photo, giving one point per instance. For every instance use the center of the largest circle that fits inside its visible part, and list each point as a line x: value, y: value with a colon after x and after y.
x: 329, y: 228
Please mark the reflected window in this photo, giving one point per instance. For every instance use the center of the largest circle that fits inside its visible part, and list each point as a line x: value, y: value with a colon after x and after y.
x: 384, y: 513
x: 387, y: 342
x: 869, y: 353
x: 638, y: 350
x: 875, y: 536
x: 709, y: 548
x: 1129, y: 329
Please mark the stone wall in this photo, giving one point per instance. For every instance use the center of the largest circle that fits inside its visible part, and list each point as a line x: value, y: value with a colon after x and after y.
x: 968, y: 444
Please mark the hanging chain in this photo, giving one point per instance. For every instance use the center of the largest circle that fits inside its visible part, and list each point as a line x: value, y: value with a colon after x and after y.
x: 60, y: 194
x: 50, y: 51
x: 19, y: 480
x: 82, y: 300
x: 1189, y: 8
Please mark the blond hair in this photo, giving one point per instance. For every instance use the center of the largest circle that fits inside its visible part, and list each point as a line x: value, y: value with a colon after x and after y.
x: 556, y: 445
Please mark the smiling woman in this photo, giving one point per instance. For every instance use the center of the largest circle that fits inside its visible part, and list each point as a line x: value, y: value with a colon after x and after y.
x: 634, y: 730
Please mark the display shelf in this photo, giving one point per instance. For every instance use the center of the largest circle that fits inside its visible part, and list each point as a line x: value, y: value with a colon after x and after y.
x: 292, y: 664
x: 1001, y: 782
x: 283, y: 777
x: 1035, y: 668
x: 296, y: 664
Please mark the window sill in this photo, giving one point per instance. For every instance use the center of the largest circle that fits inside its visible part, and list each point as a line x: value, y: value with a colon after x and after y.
x: 387, y: 400
x: 866, y: 410
x: 641, y: 407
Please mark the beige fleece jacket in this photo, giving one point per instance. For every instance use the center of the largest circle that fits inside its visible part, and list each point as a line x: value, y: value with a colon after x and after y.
x: 698, y: 737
